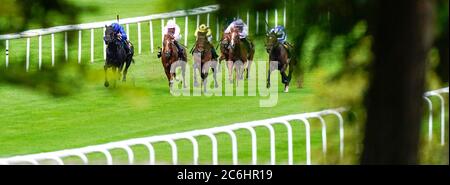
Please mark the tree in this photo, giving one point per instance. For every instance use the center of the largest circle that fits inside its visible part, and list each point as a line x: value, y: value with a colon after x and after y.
x: 402, y: 39
x: 402, y: 35
x: 21, y: 15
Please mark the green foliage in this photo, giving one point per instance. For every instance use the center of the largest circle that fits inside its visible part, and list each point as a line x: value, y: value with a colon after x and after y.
x: 21, y: 15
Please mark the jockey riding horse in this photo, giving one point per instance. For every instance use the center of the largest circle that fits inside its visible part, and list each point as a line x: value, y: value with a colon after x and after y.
x: 173, y: 30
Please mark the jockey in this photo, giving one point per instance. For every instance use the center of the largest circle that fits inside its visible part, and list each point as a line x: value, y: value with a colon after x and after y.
x: 243, y: 30
x: 241, y: 26
x: 122, y: 35
x: 207, y: 31
x: 280, y: 32
x: 173, y: 30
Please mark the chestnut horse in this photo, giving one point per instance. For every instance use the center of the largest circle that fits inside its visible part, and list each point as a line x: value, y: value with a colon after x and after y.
x: 279, y: 59
x: 237, y: 55
x: 170, y: 60
x: 203, y: 60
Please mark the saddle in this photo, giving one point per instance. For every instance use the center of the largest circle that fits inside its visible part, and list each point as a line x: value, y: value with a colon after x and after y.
x: 248, y: 44
x: 289, y: 47
x: 129, y: 48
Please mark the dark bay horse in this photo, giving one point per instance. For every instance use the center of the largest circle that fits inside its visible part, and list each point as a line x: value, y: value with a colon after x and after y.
x: 116, y: 55
x: 203, y: 60
x: 280, y: 59
x: 170, y: 60
x: 237, y: 55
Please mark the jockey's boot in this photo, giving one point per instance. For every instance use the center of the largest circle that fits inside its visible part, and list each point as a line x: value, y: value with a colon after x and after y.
x: 126, y: 46
x: 180, y: 52
x: 214, y: 53
x: 159, y: 53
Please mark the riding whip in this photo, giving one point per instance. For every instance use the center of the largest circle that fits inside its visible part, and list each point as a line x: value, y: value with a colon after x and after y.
x: 267, y: 24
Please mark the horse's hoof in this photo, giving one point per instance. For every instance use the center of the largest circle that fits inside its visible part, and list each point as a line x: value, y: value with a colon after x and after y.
x: 216, y: 85
x: 106, y: 84
x: 286, y: 89
x: 268, y: 86
x: 124, y: 80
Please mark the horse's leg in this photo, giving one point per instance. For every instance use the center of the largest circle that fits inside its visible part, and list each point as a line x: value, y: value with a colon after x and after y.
x: 167, y: 70
x: 249, y: 64
x: 219, y: 65
x: 205, y: 72
x: 230, y: 71
x: 172, y: 73
x: 204, y: 81
x: 105, y: 67
x: 114, y: 69
x: 170, y: 77
x: 183, y: 73
x: 241, y: 74
x: 126, y: 71
x: 251, y: 54
x: 214, y: 70
x: 119, y: 71
x: 291, y: 70
x: 272, y: 67
x: 284, y: 77
x: 195, y: 66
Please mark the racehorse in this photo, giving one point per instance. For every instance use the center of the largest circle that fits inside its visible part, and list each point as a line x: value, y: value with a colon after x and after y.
x: 224, y: 47
x: 280, y: 58
x: 237, y: 54
x: 116, y: 55
x: 203, y: 60
x: 170, y: 60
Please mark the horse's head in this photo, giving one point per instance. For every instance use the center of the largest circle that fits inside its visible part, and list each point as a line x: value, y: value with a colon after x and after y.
x: 234, y: 38
x: 271, y: 41
x: 201, y: 42
x: 109, y: 35
x: 226, y: 39
x: 168, y: 45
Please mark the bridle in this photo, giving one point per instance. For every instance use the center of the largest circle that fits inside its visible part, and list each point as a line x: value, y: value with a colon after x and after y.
x: 168, y: 43
x: 111, y: 37
x: 234, y: 38
x: 271, y: 37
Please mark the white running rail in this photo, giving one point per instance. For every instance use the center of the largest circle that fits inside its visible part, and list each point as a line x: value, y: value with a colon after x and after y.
x: 191, y: 136
x: 436, y: 93
x: 127, y: 21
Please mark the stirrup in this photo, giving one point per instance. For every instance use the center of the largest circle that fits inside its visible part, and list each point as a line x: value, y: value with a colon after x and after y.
x: 159, y: 54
